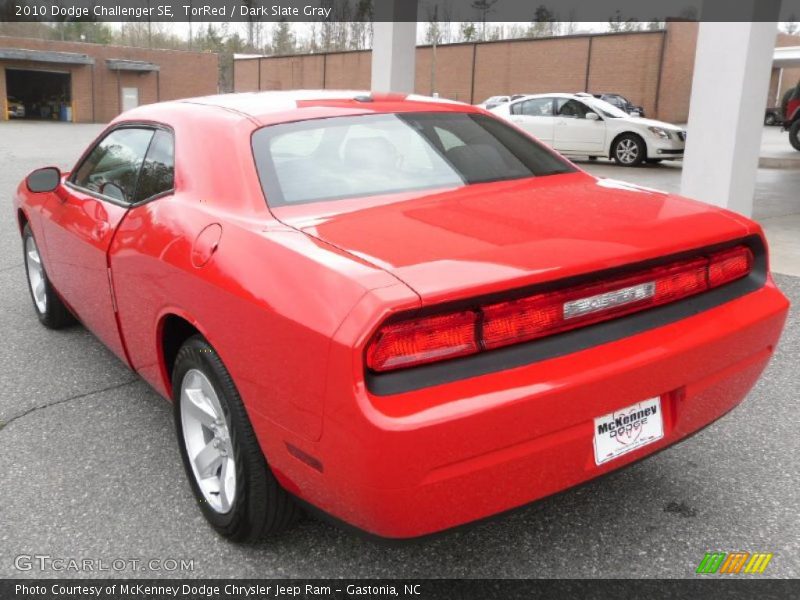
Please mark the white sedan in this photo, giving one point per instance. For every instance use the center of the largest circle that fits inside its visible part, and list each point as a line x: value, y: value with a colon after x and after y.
x: 582, y: 125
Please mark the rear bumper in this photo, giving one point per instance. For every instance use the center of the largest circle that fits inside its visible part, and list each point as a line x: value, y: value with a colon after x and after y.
x: 415, y: 463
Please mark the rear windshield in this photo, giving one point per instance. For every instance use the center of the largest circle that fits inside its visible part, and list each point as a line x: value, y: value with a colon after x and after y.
x: 368, y: 155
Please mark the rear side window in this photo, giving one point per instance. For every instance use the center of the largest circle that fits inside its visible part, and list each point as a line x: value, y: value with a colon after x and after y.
x: 349, y: 157
x: 115, y: 160
x: 536, y: 107
x: 158, y: 171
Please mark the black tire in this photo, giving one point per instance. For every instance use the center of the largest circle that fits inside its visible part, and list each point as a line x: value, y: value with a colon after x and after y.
x: 55, y: 314
x: 261, y: 507
x: 623, y: 153
x: 794, y: 135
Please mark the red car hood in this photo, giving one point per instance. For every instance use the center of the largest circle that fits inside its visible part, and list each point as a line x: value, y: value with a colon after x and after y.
x: 467, y: 241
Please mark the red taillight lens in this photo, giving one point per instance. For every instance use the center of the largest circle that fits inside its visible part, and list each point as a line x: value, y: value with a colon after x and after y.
x: 680, y: 281
x: 547, y: 314
x: 729, y: 265
x: 521, y: 320
x: 423, y: 340
x: 429, y: 339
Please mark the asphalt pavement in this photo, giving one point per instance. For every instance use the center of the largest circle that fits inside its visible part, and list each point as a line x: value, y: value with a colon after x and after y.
x: 90, y: 467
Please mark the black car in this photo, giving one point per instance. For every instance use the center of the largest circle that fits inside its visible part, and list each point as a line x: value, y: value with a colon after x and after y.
x: 622, y: 103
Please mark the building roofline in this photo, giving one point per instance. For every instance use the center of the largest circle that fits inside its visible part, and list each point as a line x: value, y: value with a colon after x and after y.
x: 46, y: 56
x: 124, y: 64
x: 471, y: 43
x: 96, y: 45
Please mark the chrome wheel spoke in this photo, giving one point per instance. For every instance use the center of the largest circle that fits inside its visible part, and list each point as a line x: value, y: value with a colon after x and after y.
x: 627, y: 151
x: 36, y: 276
x: 208, y: 461
x: 207, y: 440
x: 199, y: 408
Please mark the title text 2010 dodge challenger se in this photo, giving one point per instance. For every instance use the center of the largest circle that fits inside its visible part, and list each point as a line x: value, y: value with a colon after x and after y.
x: 402, y: 311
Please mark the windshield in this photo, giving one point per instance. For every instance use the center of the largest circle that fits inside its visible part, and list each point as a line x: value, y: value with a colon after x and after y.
x: 370, y: 155
x: 606, y: 109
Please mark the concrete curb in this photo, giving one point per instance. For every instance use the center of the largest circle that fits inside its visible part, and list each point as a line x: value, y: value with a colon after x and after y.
x: 779, y: 162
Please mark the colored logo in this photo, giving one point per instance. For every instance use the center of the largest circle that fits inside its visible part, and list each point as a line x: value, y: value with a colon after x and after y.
x: 734, y: 562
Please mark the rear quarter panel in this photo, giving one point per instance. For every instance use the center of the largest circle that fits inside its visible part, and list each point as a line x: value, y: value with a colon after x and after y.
x: 270, y: 298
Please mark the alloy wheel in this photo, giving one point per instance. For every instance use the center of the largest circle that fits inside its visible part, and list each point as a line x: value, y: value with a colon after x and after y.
x: 36, y: 277
x: 206, y: 435
x: 627, y: 151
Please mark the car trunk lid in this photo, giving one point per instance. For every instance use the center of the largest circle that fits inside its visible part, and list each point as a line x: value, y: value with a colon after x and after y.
x: 448, y: 244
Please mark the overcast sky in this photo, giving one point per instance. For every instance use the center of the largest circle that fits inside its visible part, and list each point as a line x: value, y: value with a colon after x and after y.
x: 303, y: 29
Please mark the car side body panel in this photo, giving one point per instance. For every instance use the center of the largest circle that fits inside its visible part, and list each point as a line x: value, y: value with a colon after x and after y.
x: 259, y: 271
x: 78, y: 232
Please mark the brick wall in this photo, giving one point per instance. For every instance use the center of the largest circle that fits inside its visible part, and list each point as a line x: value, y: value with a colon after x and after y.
x: 629, y: 64
x: 453, y: 71
x: 96, y: 89
x: 245, y: 75
x: 348, y: 70
x: 530, y: 67
x: 291, y: 72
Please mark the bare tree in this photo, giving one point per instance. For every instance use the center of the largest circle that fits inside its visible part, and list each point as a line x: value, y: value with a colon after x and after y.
x: 251, y: 24
x: 617, y: 24
x: 284, y: 40
x: 446, y: 21
x: 544, y: 23
x: 467, y: 32
x: 484, y: 7
x: 433, y: 33
x: 361, y: 25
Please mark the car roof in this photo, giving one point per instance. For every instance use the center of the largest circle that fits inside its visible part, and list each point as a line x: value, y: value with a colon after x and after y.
x: 271, y: 107
x: 553, y: 95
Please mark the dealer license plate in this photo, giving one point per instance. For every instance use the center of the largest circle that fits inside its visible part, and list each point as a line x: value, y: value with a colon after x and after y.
x: 627, y: 429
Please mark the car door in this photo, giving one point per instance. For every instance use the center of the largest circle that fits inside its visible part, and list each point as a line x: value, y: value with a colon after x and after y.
x: 574, y: 132
x: 84, y: 214
x: 535, y: 116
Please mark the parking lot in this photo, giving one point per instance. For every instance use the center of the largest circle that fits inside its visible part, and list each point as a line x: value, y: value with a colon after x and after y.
x: 91, y: 469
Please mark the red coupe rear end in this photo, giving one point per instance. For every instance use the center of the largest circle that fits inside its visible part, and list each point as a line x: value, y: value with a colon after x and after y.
x: 533, y: 333
x: 548, y: 331
x: 416, y: 313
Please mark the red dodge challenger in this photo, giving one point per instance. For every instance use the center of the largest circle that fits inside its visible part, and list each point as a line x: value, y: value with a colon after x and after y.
x: 401, y: 311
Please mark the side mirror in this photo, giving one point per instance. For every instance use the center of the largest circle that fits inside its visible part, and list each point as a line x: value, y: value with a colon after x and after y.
x: 44, y: 180
x: 112, y: 190
x: 592, y: 116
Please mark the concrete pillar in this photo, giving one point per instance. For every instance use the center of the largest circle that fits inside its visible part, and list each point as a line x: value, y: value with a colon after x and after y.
x: 726, y: 112
x: 394, y: 46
